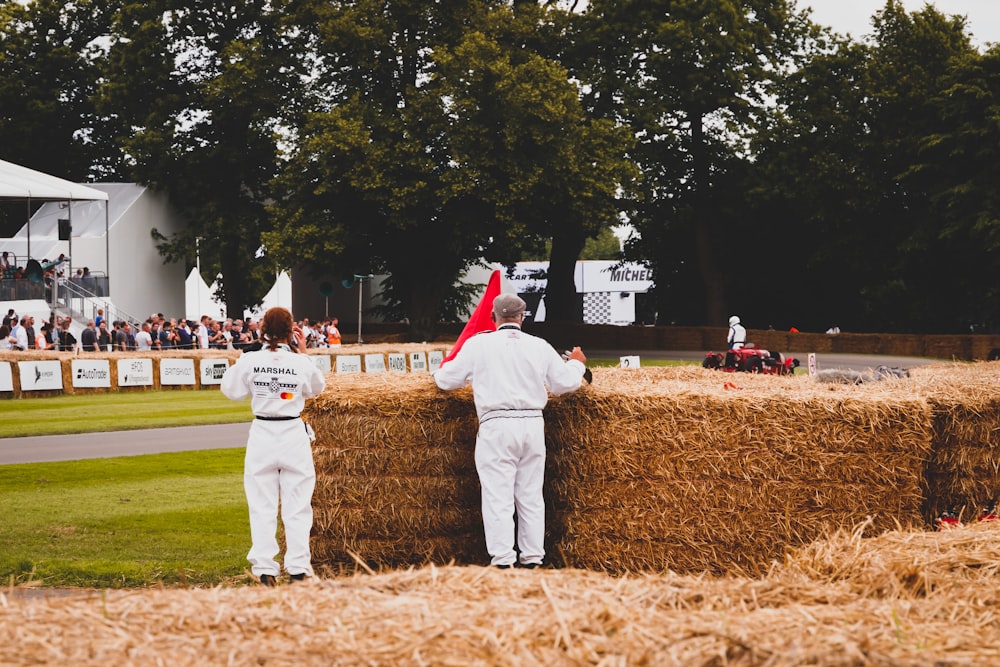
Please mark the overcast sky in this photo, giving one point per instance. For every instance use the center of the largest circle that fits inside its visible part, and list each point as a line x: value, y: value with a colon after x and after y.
x: 854, y: 16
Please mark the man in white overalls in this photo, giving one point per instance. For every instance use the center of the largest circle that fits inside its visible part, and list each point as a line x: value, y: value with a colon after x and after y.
x: 512, y: 374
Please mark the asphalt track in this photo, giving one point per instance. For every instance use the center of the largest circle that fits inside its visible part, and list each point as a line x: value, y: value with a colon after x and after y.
x: 39, y: 449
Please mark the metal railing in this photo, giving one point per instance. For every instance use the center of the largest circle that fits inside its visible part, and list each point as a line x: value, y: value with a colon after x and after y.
x: 83, y: 304
x: 21, y: 289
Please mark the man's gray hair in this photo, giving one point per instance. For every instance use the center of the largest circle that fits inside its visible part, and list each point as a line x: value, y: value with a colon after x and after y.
x: 508, y: 306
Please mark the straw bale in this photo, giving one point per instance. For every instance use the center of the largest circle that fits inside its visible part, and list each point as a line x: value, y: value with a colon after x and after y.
x: 648, y: 469
x: 964, y: 469
x: 905, y: 598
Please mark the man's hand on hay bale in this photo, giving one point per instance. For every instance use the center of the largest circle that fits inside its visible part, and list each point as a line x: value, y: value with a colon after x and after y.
x: 577, y: 354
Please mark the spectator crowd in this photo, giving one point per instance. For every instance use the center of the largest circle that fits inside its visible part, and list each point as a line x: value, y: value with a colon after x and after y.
x: 156, y: 333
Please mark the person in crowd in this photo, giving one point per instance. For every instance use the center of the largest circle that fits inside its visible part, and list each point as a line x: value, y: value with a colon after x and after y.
x: 168, y: 337
x: 253, y: 332
x: 30, y: 331
x: 216, y: 340
x: 118, y: 336
x: 99, y: 318
x: 307, y: 331
x: 87, y: 281
x: 737, y: 334
x: 278, y: 468
x: 184, y: 339
x: 5, y: 265
x: 42, y: 341
x: 512, y: 374
x: 239, y: 335
x: 67, y: 341
x: 154, y: 333
x: 130, y: 333
x: 77, y: 278
x: 333, y: 333
x: 143, y: 338
x: 5, y: 341
x: 203, y: 332
x: 60, y: 267
x: 104, y: 338
x: 19, y: 335
x: 88, y: 338
x: 11, y: 318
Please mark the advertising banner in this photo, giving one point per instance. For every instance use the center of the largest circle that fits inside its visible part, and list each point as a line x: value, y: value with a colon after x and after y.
x: 91, y: 373
x: 418, y: 362
x: 135, y: 372
x: 397, y: 362
x: 322, y: 362
x: 212, y: 370
x: 177, y: 371
x: 374, y: 363
x: 588, y: 276
x: 349, y: 363
x: 6, y: 377
x: 434, y: 359
x: 40, y: 375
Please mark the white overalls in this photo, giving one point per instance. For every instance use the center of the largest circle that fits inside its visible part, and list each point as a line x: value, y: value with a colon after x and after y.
x: 512, y: 374
x: 279, y: 463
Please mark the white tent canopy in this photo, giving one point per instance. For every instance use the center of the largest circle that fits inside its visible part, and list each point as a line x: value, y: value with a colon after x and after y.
x: 17, y: 182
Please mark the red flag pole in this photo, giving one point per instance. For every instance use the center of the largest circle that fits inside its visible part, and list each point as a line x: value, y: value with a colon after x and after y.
x: 481, y: 319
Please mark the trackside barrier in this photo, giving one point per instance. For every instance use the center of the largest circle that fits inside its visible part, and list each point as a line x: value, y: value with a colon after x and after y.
x: 56, y: 373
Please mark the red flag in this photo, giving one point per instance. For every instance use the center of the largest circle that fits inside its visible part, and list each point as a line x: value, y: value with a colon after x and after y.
x: 481, y: 319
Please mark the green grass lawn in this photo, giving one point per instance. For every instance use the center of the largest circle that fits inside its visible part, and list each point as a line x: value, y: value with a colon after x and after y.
x: 127, y: 521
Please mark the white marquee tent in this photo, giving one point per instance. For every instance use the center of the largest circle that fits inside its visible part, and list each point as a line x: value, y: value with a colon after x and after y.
x: 21, y: 183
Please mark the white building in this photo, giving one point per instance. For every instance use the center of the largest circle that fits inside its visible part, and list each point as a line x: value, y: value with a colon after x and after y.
x: 112, y: 239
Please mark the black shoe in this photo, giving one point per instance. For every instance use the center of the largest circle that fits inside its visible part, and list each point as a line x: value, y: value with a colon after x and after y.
x: 502, y: 567
x: 268, y: 580
x: 301, y: 576
x: 527, y: 566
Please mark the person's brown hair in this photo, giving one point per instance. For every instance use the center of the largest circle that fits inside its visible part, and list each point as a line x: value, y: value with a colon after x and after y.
x: 276, y: 327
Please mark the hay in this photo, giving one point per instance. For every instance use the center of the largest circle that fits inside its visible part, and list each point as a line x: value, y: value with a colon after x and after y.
x: 905, y: 598
x: 663, y: 468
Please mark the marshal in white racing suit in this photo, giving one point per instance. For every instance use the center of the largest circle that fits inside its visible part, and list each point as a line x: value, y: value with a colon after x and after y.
x: 512, y: 374
x: 279, y: 463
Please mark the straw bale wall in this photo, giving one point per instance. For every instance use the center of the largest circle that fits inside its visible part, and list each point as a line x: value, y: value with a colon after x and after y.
x: 658, y: 468
x: 963, y: 472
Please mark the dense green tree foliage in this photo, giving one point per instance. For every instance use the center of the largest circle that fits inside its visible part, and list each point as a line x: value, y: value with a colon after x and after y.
x: 200, y: 94
x: 838, y: 184
x: 444, y: 137
x: 769, y: 167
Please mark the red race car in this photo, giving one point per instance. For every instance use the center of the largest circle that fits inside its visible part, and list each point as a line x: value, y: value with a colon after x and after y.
x: 749, y: 359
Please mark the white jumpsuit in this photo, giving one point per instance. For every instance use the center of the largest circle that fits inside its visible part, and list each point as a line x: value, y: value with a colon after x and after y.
x: 512, y: 374
x: 279, y: 463
x: 737, y: 336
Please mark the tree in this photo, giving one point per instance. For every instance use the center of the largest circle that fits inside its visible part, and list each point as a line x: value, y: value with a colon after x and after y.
x: 690, y: 78
x: 605, y: 246
x: 446, y: 141
x: 49, y: 68
x: 202, y: 95
x: 841, y: 167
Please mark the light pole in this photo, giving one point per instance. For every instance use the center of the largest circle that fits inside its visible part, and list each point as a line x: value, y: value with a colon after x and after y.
x: 361, y: 283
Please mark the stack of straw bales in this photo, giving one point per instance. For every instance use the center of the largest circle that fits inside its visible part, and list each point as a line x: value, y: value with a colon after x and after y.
x: 963, y: 472
x: 905, y: 598
x: 648, y: 470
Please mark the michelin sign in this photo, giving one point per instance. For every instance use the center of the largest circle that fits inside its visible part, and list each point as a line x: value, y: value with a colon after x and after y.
x: 608, y: 288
